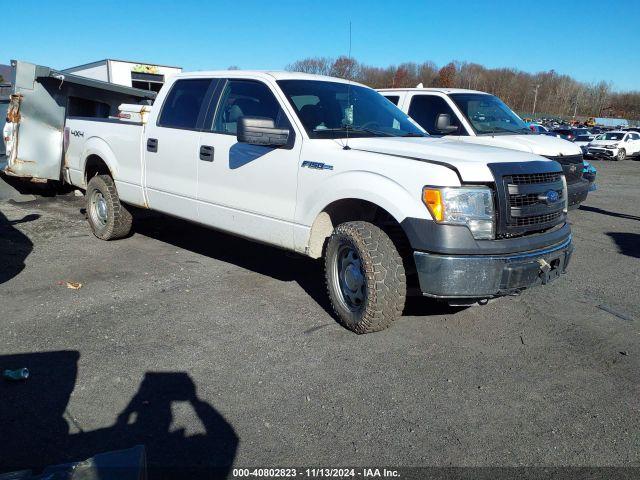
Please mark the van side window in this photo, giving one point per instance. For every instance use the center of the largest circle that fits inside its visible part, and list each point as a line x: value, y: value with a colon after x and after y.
x: 425, y: 109
x: 183, y: 104
x: 248, y: 98
x: 393, y: 99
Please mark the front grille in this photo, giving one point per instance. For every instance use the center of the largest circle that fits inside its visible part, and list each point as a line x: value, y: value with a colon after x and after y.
x: 525, y: 197
x: 536, y: 220
x: 532, y: 178
x: 571, y: 166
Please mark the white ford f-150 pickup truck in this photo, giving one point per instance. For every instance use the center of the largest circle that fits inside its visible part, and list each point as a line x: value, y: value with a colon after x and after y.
x: 330, y: 169
x: 477, y: 117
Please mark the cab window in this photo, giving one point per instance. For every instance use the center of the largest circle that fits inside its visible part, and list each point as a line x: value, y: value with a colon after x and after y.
x: 248, y: 98
x: 425, y: 109
x: 182, y: 106
x: 393, y: 99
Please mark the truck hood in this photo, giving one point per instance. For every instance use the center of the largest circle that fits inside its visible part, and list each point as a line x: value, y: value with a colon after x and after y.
x: 471, y: 161
x: 544, y: 145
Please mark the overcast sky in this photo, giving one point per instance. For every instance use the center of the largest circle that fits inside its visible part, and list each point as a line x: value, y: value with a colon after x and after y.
x: 589, y: 40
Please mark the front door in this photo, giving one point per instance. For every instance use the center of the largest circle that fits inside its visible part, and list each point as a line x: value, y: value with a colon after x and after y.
x: 248, y: 189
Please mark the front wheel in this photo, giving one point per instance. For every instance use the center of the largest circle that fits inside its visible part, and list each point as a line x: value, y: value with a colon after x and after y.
x: 622, y: 154
x: 365, y: 277
x: 109, y: 219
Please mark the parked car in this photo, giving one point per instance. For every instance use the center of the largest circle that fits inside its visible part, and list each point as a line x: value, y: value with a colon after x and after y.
x: 483, y: 119
x: 617, y: 145
x: 331, y: 169
x: 583, y: 141
x: 579, y: 132
x: 541, y: 130
x: 565, y: 133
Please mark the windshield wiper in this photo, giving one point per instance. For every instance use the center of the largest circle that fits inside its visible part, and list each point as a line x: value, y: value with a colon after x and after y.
x: 414, y: 134
x: 499, y: 130
x: 349, y: 128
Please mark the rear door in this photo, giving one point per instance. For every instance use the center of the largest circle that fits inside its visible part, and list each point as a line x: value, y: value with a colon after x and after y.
x: 172, y: 143
x: 248, y: 189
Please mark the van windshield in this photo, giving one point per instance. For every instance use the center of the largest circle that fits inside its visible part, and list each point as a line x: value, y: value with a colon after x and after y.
x: 488, y: 114
x: 338, y: 110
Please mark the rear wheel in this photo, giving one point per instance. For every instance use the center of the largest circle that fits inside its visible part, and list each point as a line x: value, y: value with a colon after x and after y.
x: 109, y: 219
x: 365, y: 277
x: 622, y: 154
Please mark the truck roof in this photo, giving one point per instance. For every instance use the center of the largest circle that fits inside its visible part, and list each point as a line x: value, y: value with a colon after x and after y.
x: 276, y: 74
x: 432, y: 89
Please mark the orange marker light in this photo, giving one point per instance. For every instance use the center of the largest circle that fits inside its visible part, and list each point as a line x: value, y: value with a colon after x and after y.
x: 433, y: 200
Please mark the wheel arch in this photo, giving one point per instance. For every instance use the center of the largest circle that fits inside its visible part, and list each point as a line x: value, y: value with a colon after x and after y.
x: 98, y: 159
x: 348, y: 210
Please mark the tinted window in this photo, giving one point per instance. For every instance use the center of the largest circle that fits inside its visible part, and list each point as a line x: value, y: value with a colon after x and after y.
x: 393, y: 99
x: 338, y: 110
x: 425, y: 109
x: 242, y: 98
x: 182, y: 106
x: 613, y: 136
x: 583, y: 138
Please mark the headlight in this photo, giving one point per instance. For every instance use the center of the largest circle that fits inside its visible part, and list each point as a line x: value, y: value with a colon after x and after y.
x: 613, y: 145
x: 470, y: 206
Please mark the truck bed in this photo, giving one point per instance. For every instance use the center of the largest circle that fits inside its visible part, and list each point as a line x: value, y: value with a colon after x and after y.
x: 124, y: 146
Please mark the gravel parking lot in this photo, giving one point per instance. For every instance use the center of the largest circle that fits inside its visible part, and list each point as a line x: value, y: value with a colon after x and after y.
x: 212, y: 350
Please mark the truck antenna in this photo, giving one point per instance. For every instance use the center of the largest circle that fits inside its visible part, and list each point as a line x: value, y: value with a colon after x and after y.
x: 349, y: 109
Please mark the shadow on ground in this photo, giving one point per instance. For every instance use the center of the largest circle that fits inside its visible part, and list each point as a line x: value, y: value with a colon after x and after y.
x: 15, y: 247
x: 27, y: 188
x: 628, y: 243
x: 37, y: 424
x: 263, y: 259
x: 609, y: 213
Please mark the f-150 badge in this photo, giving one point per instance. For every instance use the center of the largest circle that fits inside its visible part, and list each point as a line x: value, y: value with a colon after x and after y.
x: 317, y: 165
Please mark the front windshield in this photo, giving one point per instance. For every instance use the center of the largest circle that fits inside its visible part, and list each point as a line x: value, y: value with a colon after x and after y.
x: 337, y: 110
x: 613, y: 136
x: 488, y: 114
x: 583, y: 138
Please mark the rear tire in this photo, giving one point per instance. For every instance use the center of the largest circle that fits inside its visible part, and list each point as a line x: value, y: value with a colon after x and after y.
x: 109, y: 219
x: 365, y: 277
x: 622, y: 155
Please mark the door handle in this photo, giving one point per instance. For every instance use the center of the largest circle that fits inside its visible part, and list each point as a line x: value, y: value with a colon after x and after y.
x: 206, y: 153
x: 152, y: 145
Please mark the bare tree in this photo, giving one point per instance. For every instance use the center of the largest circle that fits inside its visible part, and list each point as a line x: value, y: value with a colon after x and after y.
x: 557, y: 95
x: 447, y: 75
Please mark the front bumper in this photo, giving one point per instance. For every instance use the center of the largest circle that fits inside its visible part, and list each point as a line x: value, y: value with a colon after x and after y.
x: 602, y: 152
x: 487, y: 276
x: 578, y: 192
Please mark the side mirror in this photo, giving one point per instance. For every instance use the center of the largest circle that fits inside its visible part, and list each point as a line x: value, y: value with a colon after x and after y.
x: 443, y: 124
x: 261, y: 131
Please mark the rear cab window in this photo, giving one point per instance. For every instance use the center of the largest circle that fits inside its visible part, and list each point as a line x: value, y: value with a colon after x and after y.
x: 184, y: 105
x: 393, y: 99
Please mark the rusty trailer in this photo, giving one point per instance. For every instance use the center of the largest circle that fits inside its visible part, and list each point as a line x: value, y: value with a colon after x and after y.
x: 40, y: 100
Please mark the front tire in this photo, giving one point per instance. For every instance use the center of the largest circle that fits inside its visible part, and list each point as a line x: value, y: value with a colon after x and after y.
x: 109, y: 219
x: 622, y: 154
x: 365, y: 277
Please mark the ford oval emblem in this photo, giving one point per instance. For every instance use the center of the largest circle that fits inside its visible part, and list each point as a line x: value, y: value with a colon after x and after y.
x: 552, y: 196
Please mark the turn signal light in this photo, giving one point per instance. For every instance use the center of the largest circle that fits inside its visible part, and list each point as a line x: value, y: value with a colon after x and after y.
x: 433, y: 200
